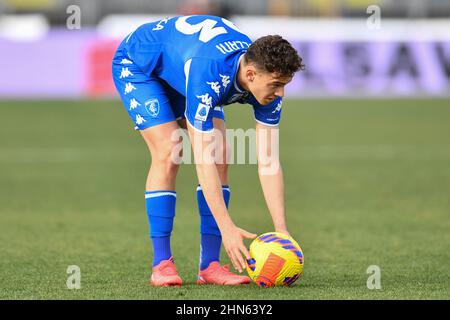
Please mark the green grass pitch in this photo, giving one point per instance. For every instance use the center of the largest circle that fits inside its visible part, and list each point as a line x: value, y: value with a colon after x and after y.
x: 367, y: 183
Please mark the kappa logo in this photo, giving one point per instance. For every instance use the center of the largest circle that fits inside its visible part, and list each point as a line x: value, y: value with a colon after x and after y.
x: 129, y: 87
x: 134, y: 104
x: 225, y: 80
x: 125, y: 73
x: 152, y: 107
x: 126, y: 61
x: 215, y: 86
x: 140, y: 120
x: 202, y: 112
x: 206, y: 99
x: 278, y: 108
x: 159, y: 25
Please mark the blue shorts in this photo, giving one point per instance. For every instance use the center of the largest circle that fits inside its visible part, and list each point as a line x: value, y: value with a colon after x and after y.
x: 149, y: 101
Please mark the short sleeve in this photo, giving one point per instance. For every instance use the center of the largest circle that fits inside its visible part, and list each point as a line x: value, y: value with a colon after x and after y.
x: 202, y: 93
x: 269, y: 114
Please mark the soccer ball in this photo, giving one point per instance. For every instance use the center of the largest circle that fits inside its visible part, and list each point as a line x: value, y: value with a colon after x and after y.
x: 276, y: 260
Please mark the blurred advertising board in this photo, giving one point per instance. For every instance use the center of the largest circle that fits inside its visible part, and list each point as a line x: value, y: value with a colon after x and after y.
x: 386, y: 63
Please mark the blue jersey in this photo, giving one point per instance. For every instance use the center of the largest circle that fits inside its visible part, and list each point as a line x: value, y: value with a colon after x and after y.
x: 198, y: 56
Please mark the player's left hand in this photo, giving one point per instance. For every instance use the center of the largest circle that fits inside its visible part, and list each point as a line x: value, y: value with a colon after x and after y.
x: 232, y: 240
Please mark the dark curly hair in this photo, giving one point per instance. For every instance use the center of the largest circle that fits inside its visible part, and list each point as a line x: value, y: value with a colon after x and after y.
x: 275, y: 55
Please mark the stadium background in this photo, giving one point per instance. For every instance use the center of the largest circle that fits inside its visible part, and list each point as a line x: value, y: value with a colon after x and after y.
x: 365, y: 146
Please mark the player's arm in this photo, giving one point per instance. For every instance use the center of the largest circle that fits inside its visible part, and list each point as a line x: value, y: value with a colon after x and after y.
x: 232, y: 236
x: 271, y: 174
x: 269, y: 167
x: 200, y: 101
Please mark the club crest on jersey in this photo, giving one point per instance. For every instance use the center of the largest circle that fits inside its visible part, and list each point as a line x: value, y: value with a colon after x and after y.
x: 152, y: 107
x: 202, y: 112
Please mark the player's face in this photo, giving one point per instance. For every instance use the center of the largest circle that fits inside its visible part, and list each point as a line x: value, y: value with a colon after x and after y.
x: 267, y: 87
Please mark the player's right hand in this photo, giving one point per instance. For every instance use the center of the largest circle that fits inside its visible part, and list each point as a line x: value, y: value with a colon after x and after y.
x: 233, y: 242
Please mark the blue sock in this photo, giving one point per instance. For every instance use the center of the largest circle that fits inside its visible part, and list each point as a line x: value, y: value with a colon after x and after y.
x: 210, y: 238
x: 160, y: 207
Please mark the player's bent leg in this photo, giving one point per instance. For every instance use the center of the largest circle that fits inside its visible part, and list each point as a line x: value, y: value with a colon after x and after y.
x: 210, y: 270
x: 210, y: 237
x: 161, y: 200
x: 146, y: 102
x: 164, y: 147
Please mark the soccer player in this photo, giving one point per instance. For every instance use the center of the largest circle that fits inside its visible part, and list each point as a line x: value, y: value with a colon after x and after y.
x: 179, y: 73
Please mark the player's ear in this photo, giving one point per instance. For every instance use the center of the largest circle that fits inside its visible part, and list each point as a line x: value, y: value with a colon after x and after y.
x: 250, y: 73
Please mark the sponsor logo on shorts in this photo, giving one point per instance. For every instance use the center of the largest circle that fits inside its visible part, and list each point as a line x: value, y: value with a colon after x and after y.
x: 152, y: 107
x: 203, y: 107
x: 202, y: 112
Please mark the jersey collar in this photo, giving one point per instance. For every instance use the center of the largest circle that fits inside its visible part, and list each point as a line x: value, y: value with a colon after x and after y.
x: 235, y: 82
